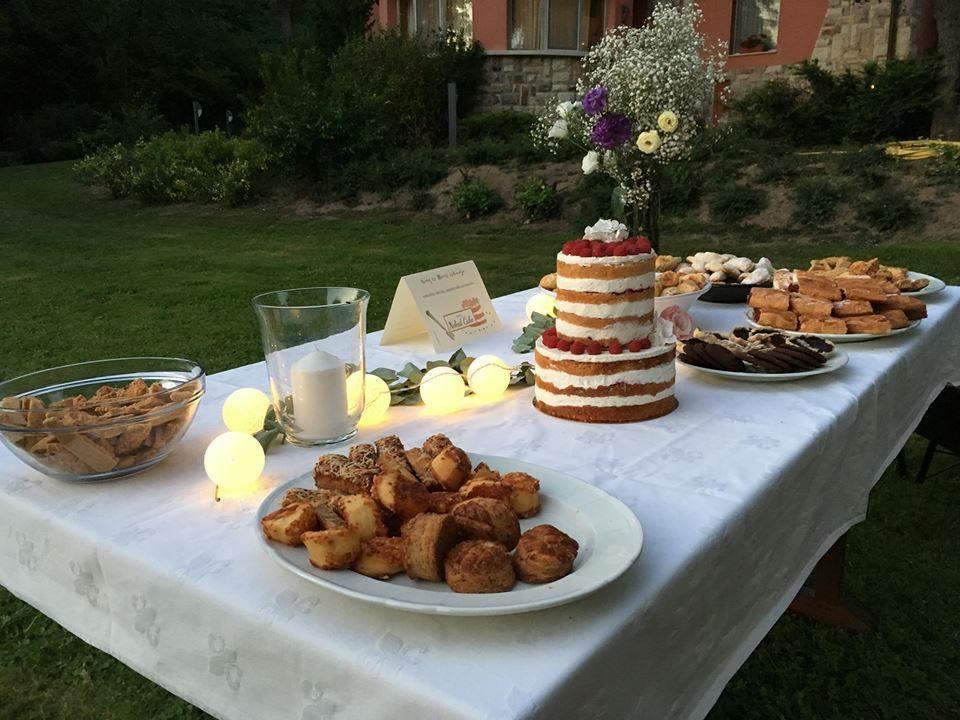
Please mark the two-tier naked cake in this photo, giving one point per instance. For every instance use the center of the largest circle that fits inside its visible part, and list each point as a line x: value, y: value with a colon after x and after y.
x: 609, y: 359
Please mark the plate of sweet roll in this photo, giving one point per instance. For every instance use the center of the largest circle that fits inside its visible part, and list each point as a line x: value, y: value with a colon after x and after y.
x: 852, y: 308
x: 434, y: 529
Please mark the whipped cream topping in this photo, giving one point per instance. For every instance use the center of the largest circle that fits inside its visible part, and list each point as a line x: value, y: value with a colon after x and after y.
x: 561, y: 400
x: 631, y: 308
x: 624, y: 330
x: 614, y: 285
x: 561, y: 379
x: 606, y: 231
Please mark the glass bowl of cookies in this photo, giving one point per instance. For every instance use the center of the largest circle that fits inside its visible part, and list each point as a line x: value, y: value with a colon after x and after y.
x: 102, y: 419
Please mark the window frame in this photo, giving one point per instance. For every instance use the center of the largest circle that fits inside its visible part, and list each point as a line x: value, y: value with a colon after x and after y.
x: 734, y: 50
x: 442, y: 13
x: 544, y: 39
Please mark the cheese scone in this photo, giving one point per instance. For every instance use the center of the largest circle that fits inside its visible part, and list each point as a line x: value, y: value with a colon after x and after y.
x: 400, y: 494
x: 333, y: 549
x: 524, y: 493
x: 451, y: 467
x: 487, y: 519
x: 428, y: 537
x: 380, y: 557
x: 288, y: 524
x: 544, y: 554
x: 479, y: 566
x: 361, y: 512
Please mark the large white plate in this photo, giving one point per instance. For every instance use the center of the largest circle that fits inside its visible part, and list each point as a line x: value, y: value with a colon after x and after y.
x: 832, y: 337
x: 838, y: 358
x: 609, y: 535
x: 935, y: 286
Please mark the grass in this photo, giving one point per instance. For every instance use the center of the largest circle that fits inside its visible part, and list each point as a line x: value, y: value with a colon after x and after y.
x: 87, y: 278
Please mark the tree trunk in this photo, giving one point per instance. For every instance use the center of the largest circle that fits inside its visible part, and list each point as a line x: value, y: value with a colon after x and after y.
x: 946, y: 120
x: 285, y: 8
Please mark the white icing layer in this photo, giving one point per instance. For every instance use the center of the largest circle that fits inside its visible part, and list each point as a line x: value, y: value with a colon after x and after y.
x: 624, y: 331
x: 561, y: 379
x: 606, y: 230
x: 614, y: 285
x: 633, y: 308
x: 560, y: 400
x: 658, y: 348
x: 605, y: 260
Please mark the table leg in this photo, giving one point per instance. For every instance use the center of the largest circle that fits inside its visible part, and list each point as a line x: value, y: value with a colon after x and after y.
x: 823, y: 600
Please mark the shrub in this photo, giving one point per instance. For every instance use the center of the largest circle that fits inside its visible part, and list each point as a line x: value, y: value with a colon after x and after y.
x: 178, y: 167
x: 422, y: 200
x: 816, y: 199
x: 945, y: 168
x: 889, y: 209
x: 594, y: 193
x: 773, y: 169
x: 895, y: 99
x: 536, y: 199
x: 737, y: 202
x: 473, y: 198
x: 504, y: 125
x: 130, y: 124
x: 682, y: 186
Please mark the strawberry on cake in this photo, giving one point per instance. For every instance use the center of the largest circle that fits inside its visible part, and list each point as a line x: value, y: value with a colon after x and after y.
x: 607, y: 359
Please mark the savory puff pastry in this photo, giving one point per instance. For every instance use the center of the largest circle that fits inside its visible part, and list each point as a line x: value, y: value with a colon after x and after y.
x: 487, y: 519
x: 380, y: 557
x: 524, y: 493
x: 429, y: 537
x: 288, y: 524
x: 332, y: 549
x: 400, y: 494
x: 479, y: 566
x: 544, y: 554
x: 451, y: 468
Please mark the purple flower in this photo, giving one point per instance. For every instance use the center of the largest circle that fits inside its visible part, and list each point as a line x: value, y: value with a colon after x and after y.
x: 611, y: 131
x: 595, y: 101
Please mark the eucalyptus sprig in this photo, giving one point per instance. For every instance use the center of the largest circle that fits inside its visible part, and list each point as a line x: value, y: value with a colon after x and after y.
x: 272, y: 432
x: 531, y: 333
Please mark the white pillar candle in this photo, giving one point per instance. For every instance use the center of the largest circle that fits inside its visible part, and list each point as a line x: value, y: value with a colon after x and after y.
x: 320, y: 395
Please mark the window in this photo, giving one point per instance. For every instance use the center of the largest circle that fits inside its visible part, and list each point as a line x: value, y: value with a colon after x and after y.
x: 429, y: 15
x: 554, y: 24
x: 755, y: 25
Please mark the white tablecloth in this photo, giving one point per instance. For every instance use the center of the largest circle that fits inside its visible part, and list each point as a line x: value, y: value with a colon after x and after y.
x: 739, y: 492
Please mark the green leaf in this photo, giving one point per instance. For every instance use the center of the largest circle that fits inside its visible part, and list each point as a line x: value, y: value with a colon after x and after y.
x: 385, y: 374
x: 437, y: 363
x: 411, y: 372
x: 456, y: 358
x: 465, y: 364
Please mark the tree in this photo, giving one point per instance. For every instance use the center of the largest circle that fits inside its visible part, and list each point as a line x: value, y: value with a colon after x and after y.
x: 946, y: 120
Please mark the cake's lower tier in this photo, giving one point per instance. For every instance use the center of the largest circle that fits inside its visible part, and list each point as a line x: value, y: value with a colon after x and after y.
x: 627, y: 387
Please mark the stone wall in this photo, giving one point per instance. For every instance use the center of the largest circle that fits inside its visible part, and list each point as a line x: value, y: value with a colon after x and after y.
x: 527, y: 82
x: 855, y: 33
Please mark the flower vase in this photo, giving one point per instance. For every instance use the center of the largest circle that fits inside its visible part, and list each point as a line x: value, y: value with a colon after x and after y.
x: 646, y: 221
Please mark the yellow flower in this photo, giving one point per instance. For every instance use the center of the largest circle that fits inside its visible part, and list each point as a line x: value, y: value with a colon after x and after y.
x: 667, y: 121
x: 649, y: 141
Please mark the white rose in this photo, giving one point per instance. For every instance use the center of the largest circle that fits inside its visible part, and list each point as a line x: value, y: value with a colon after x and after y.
x: 649, y: 141
x: 565, y: 108
x: 606, y: 231
x: 667, y: 121
x: 559, y: 130
x: 591, y: 161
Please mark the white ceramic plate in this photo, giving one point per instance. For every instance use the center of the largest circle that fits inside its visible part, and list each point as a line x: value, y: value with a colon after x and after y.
x: 935, y: 286
x: 609, y: 535
x: 684, y: 300
x: 848, y: 338
x: 838, y: 358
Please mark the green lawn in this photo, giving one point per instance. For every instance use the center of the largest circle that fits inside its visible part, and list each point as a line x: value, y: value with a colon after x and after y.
x: 85, y: 277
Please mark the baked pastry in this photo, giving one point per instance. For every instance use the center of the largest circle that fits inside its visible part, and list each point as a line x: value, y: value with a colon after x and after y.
x: 852, y: 308
x: 484, y: 471
x: 400, y: 494
x: 544, y: 554
x: 870, y: 324
x: 830, y: 325
x: 783, y: 319
x: 435, y: 443
x: 332, y: 549
x: 897, y: 318
x: 361, y: 512
x: 861, y: 287
x: 479, y: 566
x: 487, y: 519
x: 380, y: 557
x: 914, y: 308
x: 420, y: 462
x: 288, y: 524
x: 364, y: 455
x: 485, y: 487
x: 769, y: 299
x: 549, y: 281
x: 451, y: 467
x: 818, y: 287
x: 810, y: 306
x: 524, y: 493
x: 442, y: 501
x: 391, y: 456
x: 306, y: 495
x: 339, y: 473
x: 429, y: 537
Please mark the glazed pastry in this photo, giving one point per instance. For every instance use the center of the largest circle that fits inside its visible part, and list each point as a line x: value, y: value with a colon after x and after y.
x: 810, y: 306
x: 487, y: 519
x: 380, y: 557
x: 897, y: 318
x: 913, y: 308
x: 451, y: 467
x: 401, y: 495
x: 544, y: 554
x: 870, y: 324
x: 429, y: 537
x: 479, y: 566
x: 818, y: 287
x: 769, y: 299
x: 362, y: 513
x: 782, y: 319
x: 831, y: 325
x: 861, y: 288
x: 852, y: 308
x: 288, y: 524
x: 332, y: 549
x: 524, y: 493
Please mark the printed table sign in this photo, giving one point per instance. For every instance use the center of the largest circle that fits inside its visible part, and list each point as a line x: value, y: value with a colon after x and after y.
x: 450, y: 304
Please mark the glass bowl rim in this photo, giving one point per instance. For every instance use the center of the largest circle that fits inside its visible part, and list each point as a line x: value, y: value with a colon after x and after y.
x: 196, y: 372
x: 258, y: 302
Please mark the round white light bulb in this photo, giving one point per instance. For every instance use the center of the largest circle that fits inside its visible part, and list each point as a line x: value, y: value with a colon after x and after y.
x: 376, y: 399
x: 245, y: 409
x: 234, y: 460
x: 488, y: 376
x: 542, y: 303
x: 442, y: 389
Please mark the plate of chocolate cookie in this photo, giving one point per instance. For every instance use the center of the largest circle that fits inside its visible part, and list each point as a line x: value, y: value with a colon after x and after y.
x: 436, y: 530
x: 760, y: 355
